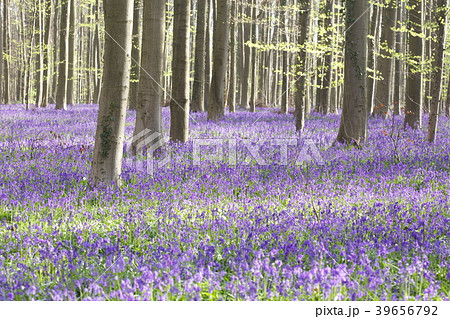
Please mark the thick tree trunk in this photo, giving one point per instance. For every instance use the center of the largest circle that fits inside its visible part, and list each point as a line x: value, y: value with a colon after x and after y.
x: 385, y: 62
x: 216, y: 103
x: 179, y: 105
x: 198, y: 87
x: 303, y: 18
x: 353, y: 125
x: 61, y: 91
x: 413, y: 108
x: 437, y: 75
x: 148, y: 115
x: 108, y: 149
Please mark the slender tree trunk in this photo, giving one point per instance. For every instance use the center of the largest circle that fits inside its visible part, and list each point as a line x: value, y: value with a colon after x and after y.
x: 39, y: 56
x: 246, y: 67
x: 61, y: 91
x: 148, y: 115
x: 1, y: 52
x: 232, y: 89
x: 208, y: 57
x: 179, y: 105
x: 437, y: 75
x: 385, y: 62
x: 323, y: 91
x: 372, y: 43
x: 135, y: 57
x: 413, y: 109
x: 108, y: 149
x: 253, y: 81
x: 398, y: 61
x: 198, y: 87
x: 284, y: 76
x: 353, y: 125
x: 46, y: 51
x: 303, y: 18
x: 72, y: 53
x: 6, y: 97
x: 216, y: 103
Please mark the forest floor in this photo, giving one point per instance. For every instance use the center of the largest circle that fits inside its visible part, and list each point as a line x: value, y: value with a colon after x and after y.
x: 259, y: 214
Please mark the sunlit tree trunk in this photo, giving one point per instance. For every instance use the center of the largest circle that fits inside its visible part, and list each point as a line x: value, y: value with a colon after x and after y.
x: 231, y: 101
x: 135, y: 56
x: 247, y: 59
x: 413, y: 107
x: 109, y: 137
x: 437, y: 74
x: 150, y: 90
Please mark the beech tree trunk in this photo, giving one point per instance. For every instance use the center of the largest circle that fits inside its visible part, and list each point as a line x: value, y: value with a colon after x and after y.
x: 72, y: 53
x: 231, y: 101
x: 148, y: 114
x: 133, y: 99
x: 385, y: 88
x: 198, y: 87
x: 303, y: 18
x: 353, y: 125
x: 179, y: 105
x: 61, y: 90
x: 216, y: 102
x: 437, y: 75
x: 413, y: 107
x: 109, y: 137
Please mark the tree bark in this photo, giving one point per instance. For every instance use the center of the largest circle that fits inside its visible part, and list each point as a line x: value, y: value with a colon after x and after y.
x: 72, y: 53
x: 133, y: 99
x: 46, y: 52
x: 303, y: 18
x: 108, y: 149
x: 150, y: 90
x: 385, y: 62
x: 438, y: 67
x: 413, y: 108
x: 231, y: 101
x: 179, y: 105
x: 246, y: 65
x: 198, y: 87
x: 216, y: 103
x: 61, y: 90
x: 353, y: 125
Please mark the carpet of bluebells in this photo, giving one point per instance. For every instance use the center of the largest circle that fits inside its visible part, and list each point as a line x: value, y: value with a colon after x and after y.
x: 364, y: 224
